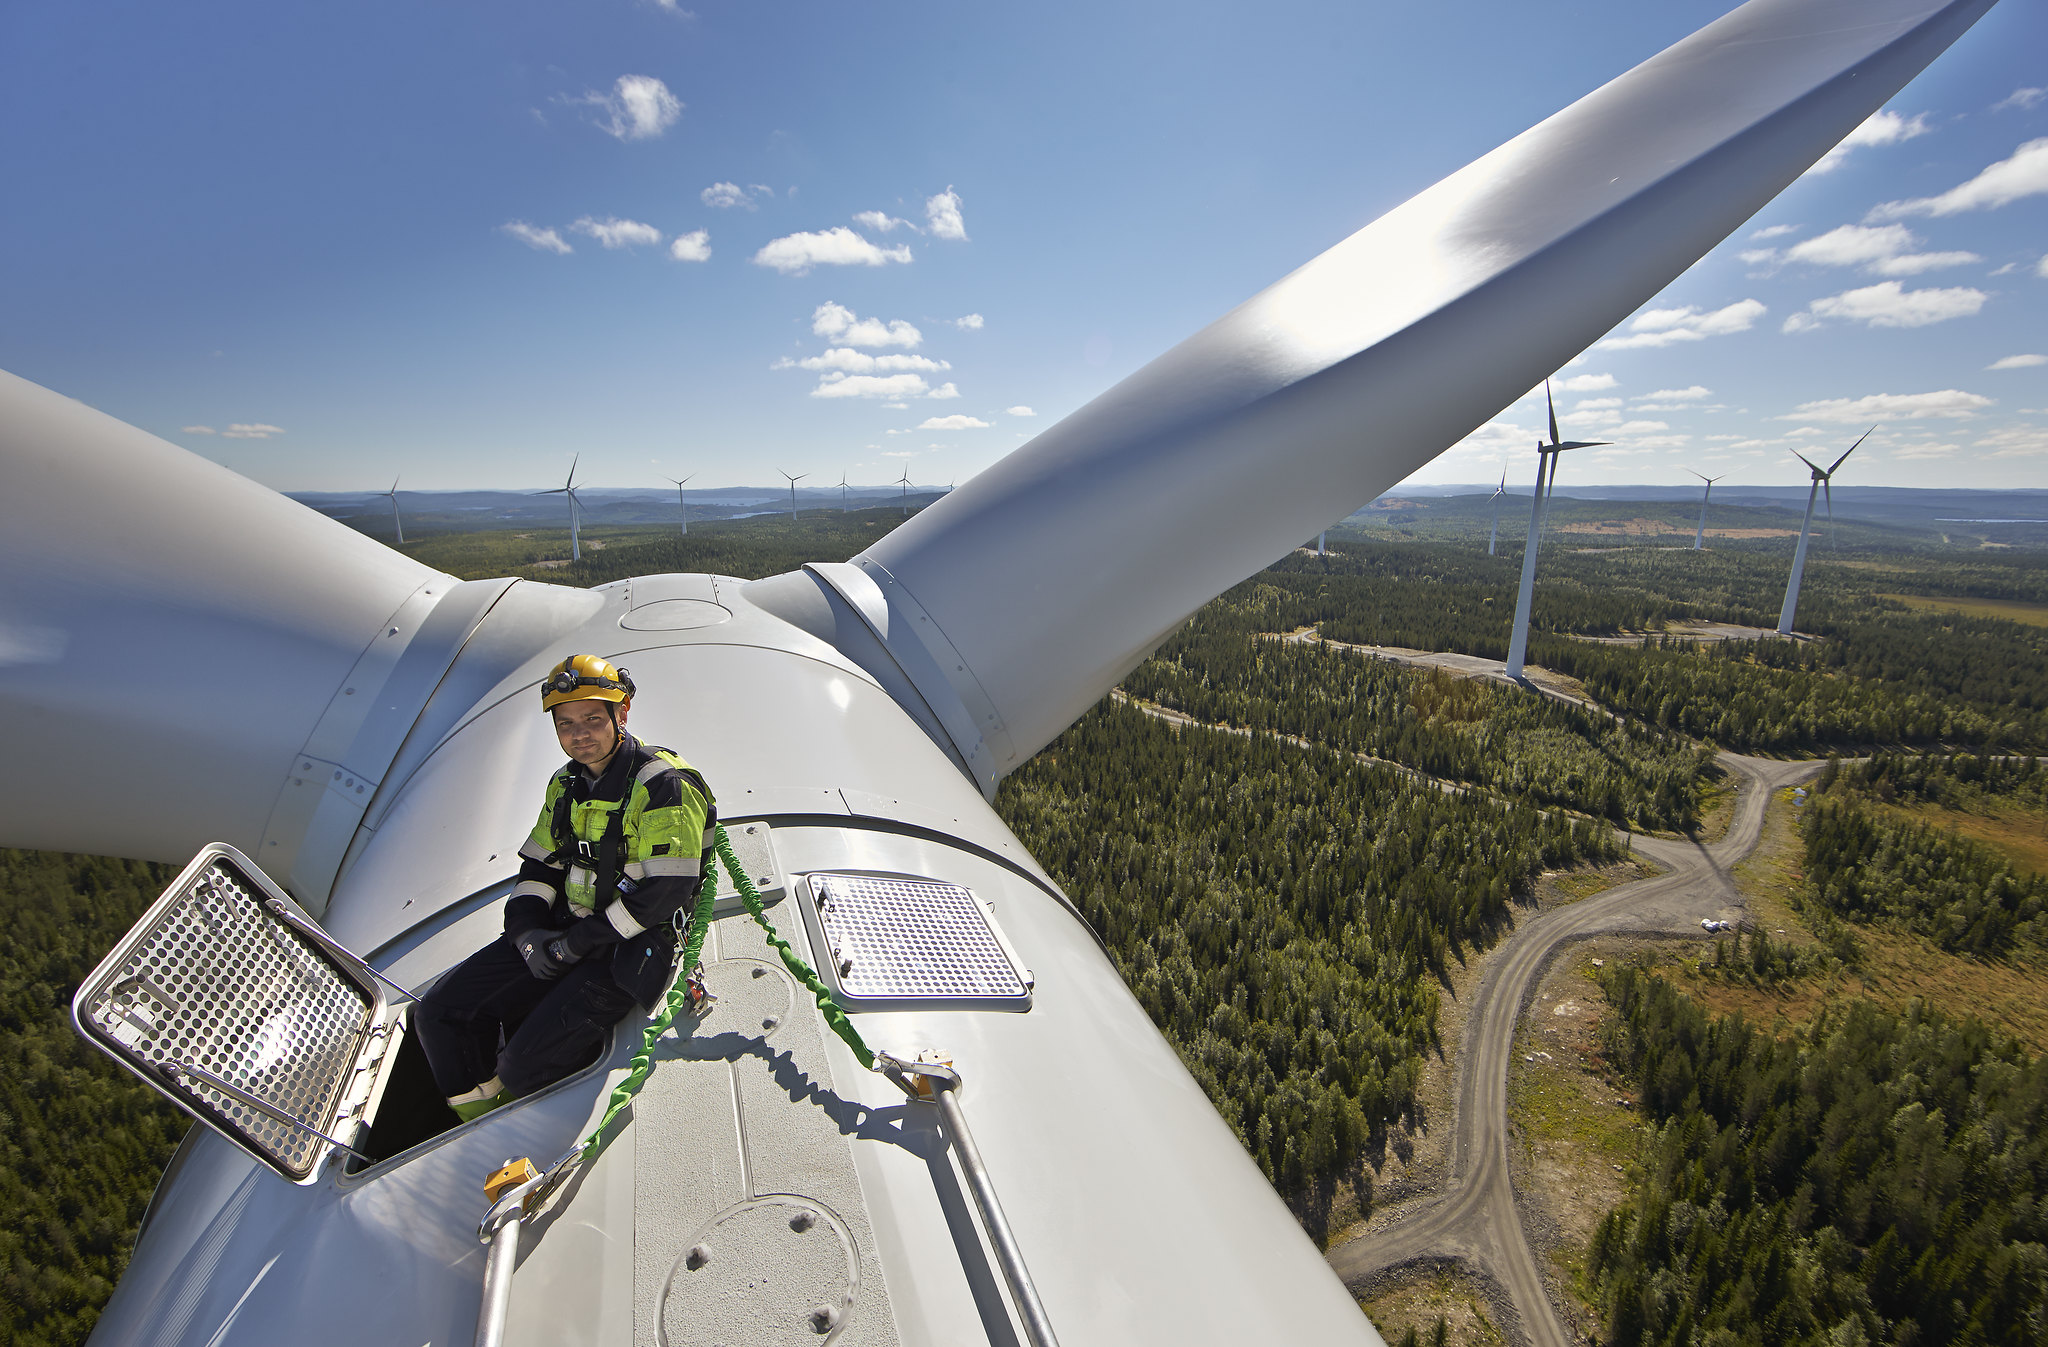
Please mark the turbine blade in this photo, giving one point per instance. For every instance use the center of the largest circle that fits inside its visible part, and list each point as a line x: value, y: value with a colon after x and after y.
x: 1807, y: 461
x: 1226, y: 451
x: 1851, y: 449
x: 1553, y: 410
x: 121, y: 618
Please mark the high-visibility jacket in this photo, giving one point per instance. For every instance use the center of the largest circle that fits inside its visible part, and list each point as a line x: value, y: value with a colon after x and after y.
x: 615, y: 858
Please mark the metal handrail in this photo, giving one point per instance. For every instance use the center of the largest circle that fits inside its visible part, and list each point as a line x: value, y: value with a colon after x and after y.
x: 176, y: 1070
x: 945, y: 1085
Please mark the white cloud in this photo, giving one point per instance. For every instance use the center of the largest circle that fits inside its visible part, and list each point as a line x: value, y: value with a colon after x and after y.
x: 840, y: 324
x: 257, y: 431
x: 1593, y: 404
x: 1692, y: 394
x: 943, y: 214
x: 1889, y: 304
x: 694, y: 246
x: 2041, y: 267
x: 944, y: 392
x: 957, y: 421
x: 543, y: 240
x: 1881, y: 128
x: 2018, y: 362
x: 2020, y: 98
x: 1930, y: 450
x: 1018, y: 411
x: 2015, y: 442
x: 2024, y: 174
x: 1584, y: 383
x: 616, y: 233
x: 1882, y: 249
x: 849, y: 361
x: 870, y: 386
x: 971, y: 323
x: 726, y: 196
x: 796, y: 254
x: 1878, y: 407
x: 1775, y: 232
x: 880, y: 221
x: 1668, y: 327
x: 198, y: 430
x: 639, y: 107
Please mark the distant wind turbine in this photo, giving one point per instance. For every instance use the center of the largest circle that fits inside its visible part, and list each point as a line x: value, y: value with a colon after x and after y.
x: 792, y: 491
x: 1546, y: 463
x: 1493, y: 534
x: 1699, y: 536
x: 681, y: 504
x: 842, y: 493
x: 904, y: 481
x: 568, y: 488
x: 396, y: 522
x: 1821, y: 482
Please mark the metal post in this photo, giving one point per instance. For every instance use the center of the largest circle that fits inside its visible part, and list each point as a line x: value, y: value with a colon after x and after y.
x: 1037, y: 1327
x: 1798, y: 565
x: 1518, y: 641
x: 504, y: 1256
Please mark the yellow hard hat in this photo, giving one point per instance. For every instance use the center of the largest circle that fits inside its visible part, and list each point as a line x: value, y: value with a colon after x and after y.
x: 585, y: 678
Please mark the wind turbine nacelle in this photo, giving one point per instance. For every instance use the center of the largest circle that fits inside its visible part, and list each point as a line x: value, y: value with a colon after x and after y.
x: 1140, y: 1215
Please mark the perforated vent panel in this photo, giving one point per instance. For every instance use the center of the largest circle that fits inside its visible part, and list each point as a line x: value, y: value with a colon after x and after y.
x: 913, y: 940
x: 209, y: 979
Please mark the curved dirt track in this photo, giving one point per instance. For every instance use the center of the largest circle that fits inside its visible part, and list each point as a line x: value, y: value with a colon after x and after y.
x: 1474, y: 1220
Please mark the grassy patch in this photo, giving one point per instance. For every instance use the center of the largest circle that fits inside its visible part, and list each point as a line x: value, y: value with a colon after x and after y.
x: 1439, y: 1294
x: 1557, y: 888
x: 1571, y: 1118
x: 1892, y: 968
x: 2033, y: 614
x: 2015, y: 832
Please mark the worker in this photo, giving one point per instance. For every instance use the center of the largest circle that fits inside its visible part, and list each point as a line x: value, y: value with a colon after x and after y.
x: 624, y: 838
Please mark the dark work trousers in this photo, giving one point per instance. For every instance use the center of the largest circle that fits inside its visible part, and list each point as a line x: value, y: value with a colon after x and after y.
x: 550, y: 1028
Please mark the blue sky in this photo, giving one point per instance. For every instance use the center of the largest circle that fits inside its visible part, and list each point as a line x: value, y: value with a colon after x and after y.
x: 330, y: 245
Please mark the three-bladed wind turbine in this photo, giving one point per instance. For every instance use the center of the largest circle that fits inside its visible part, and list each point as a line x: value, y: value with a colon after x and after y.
x: 396, y: 522
x: 1493, y: 534
x: 901, y: 686
x: 904, y: 482
x: 1700, y: 534
x: 1821, y: 480
x: 568, y: 488
x: 1546, y: 478
x: 842, y: 493
x: 792, y: 490
x: 681, y: 504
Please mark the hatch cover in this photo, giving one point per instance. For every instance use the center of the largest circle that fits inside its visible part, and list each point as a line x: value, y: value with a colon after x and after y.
x: 891, y: 942
x: 226, y: 999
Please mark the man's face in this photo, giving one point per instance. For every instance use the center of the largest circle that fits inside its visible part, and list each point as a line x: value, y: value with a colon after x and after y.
x: 585, y: 729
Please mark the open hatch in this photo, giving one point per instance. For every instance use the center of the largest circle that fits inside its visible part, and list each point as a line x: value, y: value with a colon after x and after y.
x: 228, y: 1000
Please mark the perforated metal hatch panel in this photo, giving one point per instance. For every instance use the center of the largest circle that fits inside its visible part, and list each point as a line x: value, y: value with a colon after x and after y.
x: 891, y: 942
x: 210, y: 979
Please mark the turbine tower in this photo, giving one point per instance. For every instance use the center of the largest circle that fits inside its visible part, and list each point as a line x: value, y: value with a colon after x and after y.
x: 904, y: 481
x: 396, y: 522
x: 1546, y: 477
x: 1700, y: 534
x: 842, y: 493
x: 792, y: 491
x: 1493, y: 534
x: 568, y: 488
x: 682, y: 504
x: 1821, y: 483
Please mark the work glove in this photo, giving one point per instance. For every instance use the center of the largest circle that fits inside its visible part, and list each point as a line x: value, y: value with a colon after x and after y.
x: 525, y: 912
x: 589, y: 935
x: 546, y: 953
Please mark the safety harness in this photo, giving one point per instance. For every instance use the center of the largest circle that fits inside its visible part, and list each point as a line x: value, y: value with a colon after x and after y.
x: 602, y: 857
